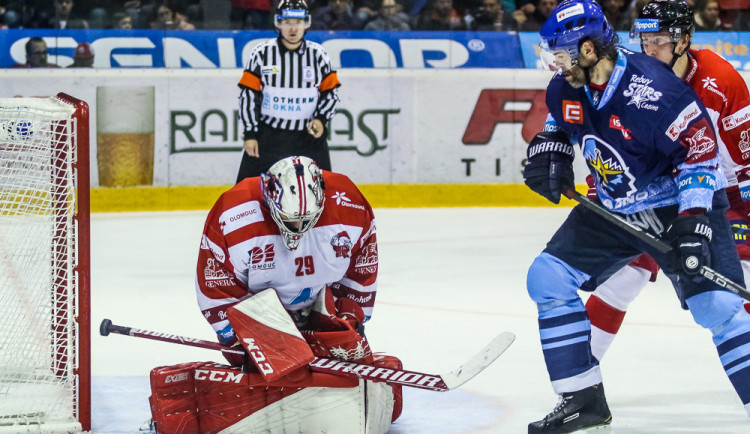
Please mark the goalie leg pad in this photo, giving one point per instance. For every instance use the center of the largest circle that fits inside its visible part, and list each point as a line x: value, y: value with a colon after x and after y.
x: 212, y: 398
x: 173, y: 403
x: 392, y: 362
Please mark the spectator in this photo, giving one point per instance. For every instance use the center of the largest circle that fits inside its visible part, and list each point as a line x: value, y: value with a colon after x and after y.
x: 337, y: 15
x: 490, y: 17
x: 614, y: 11
x: 32, y: 14
x: 440, y: 15
x: 166, y: 16
x: 250, y: 14
x: 65, y: 18
x: 84, y: 57
x: 707, y: 16
x: 11, y: 20
x: 524, y: 10
x: 730, y: 12
x: 542, y: 11
x: 122, y: 21
x: 390, y: 17
x: 36, y: 54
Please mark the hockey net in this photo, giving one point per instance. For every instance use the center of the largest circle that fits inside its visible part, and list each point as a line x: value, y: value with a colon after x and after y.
x: 44, y: 271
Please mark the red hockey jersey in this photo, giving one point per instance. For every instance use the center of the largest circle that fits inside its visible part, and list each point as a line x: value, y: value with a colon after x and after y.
x: 725, y: 95
x: 242, y: 252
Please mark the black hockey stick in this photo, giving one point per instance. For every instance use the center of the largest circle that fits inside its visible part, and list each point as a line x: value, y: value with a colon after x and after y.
x: 420, y: 380
x: 654, y: 242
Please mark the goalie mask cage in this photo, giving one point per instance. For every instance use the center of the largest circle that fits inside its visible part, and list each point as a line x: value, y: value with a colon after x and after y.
x: 44, y: 272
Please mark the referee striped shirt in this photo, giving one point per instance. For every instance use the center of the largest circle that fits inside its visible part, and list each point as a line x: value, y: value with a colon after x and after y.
x: 287, y: 89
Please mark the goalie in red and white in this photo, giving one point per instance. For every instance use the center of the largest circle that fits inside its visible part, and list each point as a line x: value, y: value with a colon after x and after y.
x: 287, y: 271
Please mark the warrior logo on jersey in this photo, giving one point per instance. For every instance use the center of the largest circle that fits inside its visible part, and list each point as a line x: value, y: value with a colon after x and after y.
x: 262, y: 259
x: 342, y: 244
x: 641, y: 93
x: 608, y: 167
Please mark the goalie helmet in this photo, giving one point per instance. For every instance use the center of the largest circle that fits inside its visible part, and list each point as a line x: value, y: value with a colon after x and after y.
x: 571, y: 22
x: 673, y: 16
x: 293, y: 191
x: 296, y: 9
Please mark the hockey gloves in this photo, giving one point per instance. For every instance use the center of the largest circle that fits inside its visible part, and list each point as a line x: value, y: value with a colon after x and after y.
x: 690, y: 235
x: 549, y: 170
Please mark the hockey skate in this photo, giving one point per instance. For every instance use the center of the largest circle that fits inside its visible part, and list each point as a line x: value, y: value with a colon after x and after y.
x: 583, y: 409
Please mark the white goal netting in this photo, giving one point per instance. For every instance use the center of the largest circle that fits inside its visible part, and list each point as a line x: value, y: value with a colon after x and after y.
x: 38, y: 272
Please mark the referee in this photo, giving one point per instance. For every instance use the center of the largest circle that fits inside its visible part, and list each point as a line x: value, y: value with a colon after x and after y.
x: 288, y: 94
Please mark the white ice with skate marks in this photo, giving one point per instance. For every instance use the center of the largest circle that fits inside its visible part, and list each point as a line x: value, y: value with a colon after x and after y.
x: 450, y: 279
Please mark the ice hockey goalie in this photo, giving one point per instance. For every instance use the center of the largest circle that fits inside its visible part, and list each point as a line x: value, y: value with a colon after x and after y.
x: 273, y: 391
x: 287, y: 271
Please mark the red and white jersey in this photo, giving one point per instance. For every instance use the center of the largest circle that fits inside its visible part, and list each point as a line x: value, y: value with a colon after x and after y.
x: 725, y: 95
x: 242, y: 252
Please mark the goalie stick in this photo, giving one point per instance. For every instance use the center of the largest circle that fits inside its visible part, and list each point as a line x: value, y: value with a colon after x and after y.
x: 654, y: 242
x: 420, y: 380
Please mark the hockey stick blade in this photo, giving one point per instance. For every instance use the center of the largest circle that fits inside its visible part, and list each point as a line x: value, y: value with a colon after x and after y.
x: 420, y: 380
x: 478, y: 363
x: 655, y: 242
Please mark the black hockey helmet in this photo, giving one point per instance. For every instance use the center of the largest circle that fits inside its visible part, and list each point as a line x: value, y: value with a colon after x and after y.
x: 674, y: 16
x: 292, y: 9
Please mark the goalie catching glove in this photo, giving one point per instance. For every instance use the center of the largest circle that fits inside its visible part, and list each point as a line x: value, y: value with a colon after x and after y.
x: 549, y: 170
x: 333, y: 329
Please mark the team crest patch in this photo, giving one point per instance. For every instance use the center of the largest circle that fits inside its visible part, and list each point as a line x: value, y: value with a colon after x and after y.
x: 262, y: 258
x: 608, y: 167
x: 342, y: 244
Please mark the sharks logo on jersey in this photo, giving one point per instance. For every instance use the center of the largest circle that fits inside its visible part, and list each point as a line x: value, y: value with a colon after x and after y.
x: 608, y: 167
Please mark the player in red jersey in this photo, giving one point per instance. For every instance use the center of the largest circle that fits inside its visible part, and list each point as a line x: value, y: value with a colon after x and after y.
x: 297, y: 229
x: 665, y: 29
x: 287, y: 271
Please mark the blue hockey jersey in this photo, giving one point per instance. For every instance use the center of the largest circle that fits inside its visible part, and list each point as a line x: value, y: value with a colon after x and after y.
x: 647, y: 138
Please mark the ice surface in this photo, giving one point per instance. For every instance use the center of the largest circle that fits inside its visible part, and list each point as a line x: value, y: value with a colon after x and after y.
x: 450, y: 280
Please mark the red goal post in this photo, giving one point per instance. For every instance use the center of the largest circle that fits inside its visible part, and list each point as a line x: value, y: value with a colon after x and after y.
x: 45, y: 360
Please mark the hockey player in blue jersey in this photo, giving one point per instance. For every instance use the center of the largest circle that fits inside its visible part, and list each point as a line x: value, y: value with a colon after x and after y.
x: 651, y: 148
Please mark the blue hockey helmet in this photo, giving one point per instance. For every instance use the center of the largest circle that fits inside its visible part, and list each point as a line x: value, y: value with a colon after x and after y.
x: 570, y: 23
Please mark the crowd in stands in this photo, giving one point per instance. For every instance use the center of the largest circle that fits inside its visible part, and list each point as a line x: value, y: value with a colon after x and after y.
x: 482, y: 15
